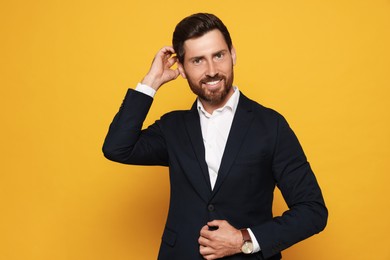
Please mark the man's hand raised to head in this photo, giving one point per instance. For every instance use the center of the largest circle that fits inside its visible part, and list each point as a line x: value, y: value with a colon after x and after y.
x: 161, y: 72
x: 224, y: 241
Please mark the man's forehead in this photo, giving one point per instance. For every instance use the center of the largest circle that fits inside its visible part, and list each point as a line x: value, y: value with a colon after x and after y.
x: 208, y: 43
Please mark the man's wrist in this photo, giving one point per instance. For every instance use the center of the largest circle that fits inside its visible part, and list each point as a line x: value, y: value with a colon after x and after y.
x: 145, y: 89
x: 247, y: 245
x: 151, y: 82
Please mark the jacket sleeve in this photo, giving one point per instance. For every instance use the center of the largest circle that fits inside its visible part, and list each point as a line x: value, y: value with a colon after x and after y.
x: 126, y: 142
x: 307, y: 213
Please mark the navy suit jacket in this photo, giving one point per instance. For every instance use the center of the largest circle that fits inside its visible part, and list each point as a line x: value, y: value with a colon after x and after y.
x: 261, y: 152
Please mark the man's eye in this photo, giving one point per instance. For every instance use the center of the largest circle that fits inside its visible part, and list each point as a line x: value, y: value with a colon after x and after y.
x: 197, y: 61
x: 219, y: 56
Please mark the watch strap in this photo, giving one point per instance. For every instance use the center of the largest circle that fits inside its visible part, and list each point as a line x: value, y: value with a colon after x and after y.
x: 245, y: 235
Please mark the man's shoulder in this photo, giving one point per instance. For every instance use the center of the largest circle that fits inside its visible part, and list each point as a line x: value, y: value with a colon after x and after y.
x: 258, y: 108
x: 176, y: 115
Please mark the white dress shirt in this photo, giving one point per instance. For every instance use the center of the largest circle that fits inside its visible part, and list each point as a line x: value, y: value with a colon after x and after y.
x: 215, y: 132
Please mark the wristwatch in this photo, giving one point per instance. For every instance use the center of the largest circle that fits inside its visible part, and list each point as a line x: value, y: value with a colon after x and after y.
x: 247, y: 246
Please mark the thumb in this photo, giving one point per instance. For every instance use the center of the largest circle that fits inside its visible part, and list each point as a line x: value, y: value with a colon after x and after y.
x: 215, y: 223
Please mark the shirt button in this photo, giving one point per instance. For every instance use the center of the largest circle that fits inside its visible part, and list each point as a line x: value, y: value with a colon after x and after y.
x: 211, y: 207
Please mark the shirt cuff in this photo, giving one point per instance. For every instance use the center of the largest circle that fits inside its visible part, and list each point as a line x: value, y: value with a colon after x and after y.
x: 145, y: 89
x: 256, y: 246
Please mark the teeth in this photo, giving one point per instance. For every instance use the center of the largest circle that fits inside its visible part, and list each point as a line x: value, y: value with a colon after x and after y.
x: 213, y: 82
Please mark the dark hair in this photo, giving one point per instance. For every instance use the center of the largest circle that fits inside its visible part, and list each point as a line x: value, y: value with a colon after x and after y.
x: 194, y: 26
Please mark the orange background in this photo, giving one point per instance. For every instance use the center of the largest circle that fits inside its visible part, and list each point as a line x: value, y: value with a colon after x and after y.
x: 65, y: 67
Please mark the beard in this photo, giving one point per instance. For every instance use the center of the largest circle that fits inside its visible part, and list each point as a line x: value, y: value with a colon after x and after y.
x: 213, y: 97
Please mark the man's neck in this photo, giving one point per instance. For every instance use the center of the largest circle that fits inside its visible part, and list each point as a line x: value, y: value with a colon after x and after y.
x: 210, y: 107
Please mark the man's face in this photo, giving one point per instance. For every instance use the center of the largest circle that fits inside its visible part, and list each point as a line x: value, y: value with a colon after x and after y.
x: 208, y: 68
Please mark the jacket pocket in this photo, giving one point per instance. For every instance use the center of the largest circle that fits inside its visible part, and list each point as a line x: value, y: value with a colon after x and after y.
x: 169, y: 237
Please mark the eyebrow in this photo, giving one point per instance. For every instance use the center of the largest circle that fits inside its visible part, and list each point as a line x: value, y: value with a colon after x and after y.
x: 213, y: 54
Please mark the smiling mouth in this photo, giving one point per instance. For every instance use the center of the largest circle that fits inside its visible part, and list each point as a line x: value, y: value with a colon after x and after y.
x: 212, y: 83
x: 215, y: 82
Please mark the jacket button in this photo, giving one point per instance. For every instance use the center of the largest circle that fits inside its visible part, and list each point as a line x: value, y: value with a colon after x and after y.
x: 211, y: 207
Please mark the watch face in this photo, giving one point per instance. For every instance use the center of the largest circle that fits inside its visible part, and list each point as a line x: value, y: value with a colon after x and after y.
x: 247, y: 247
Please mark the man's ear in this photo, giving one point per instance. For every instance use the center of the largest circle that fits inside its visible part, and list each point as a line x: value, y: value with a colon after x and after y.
x: 233, y: 54
x: 181, y: 70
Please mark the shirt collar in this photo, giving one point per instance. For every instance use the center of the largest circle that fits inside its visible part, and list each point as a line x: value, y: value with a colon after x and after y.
x: 231, y: 104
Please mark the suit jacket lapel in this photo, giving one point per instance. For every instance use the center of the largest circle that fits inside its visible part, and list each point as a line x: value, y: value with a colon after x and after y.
x: 240, y: 125
x: 201, y: 181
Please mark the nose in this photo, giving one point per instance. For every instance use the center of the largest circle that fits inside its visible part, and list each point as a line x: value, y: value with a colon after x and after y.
x: 211, y: 69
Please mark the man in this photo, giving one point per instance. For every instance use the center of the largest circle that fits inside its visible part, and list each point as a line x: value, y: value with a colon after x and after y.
x: 225, y: 155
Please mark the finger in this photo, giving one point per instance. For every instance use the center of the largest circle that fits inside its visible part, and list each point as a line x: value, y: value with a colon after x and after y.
x: 218, y: 223
x: 214, y: 225
x: 171, y: 61
x: 204, y: 228
x: 176, y: 73
x: 162, y: 56
x: 206, y: 252
x: 166, y: 52
x: 215, y: 222
x: 204, y: 232
x: 169, y: 49
x: 204, y: 241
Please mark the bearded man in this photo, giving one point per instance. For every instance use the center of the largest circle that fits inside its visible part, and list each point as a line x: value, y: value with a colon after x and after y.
x: 225, y: 155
